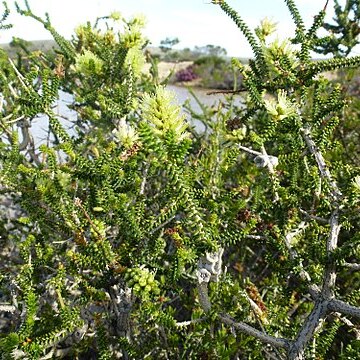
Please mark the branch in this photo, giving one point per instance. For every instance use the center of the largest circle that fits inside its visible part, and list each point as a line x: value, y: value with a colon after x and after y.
x: 19, y: 76
x: 255, y: 237
x: 293, y: 254
x: 249, y: 330
x: 331, y: 245
x: 330, y: 271
x: 324, y: 171
x: 210, y: 268
x: 326, y: 294
x: 78, y: 203
x: 7, y: 308
x: 250, y: 151
x: 352, y: 266
x: 262, y: 160
x: 349, y: 324
x: 344, y: 308
x: 215, y: 92
x: 143, y: 182
x: 189, y: 322
x: 314, y: 217
x: 308, y: 330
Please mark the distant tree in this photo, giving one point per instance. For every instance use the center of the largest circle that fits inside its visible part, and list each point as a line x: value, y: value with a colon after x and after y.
x: 168, y: 43
x: 211, y: 50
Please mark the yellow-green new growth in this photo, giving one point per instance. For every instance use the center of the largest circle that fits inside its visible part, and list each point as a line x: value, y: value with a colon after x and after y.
x: 282, y: 108
x: 116, y: 16
x: 278, y: 50
x: 136, y: 60
x: 132, y: 36
x: 356, y: 182
x: 161, y: 110
x: 88, y: 63
x: 138, y: 20
x: 125, y: 134
x: 266, y: 28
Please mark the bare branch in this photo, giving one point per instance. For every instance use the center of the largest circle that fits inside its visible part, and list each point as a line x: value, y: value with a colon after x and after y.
x: 330, y: 271
x: 143, y: 182
x: 293, y: 254
x: 324, y: 171
x: 250, y: 151
x: 314, y: 217
x: 349, y: 324
x: 19, y: 75
x: 255, y: 237
x: 7, y: 308
x: 189, y: 322
x: 247, y: 329
x: 352, y: 266
x: 308, y: 329
x: 344, y: 308
x: 209, y: 269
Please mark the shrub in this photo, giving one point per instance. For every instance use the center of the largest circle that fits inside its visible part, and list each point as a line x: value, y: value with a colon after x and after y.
x: 215, y: 72
x: 186, y: 74
x: 128, y: 222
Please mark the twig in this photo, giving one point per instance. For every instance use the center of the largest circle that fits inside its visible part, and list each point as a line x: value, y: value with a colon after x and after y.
x: 349, y: 324
x: 344, y: 308
x: 331, y: 245
x: 324, y: 171
x: 143, y: 182
x: 255, y: 237
x: 292, y: 234
x: 24, y: 126
x: 6, y: 130
x: 250, y: 151
x: 78, y: 203
x: 162, y: 225
x: 19, y: 75
x: 307, y: 331
x: 214, y: 92
x: 268, y: 162
x: 313, y: 217
x: 352, y: 266
x: 293, y: 254
x: 247, y: 329
x: 325, y: 6
x: 190, y: 322
x: 7, y: 308
x: 261, y: 319
x: 12, y: 90
x: 208, y: 269
x: 13, y: 121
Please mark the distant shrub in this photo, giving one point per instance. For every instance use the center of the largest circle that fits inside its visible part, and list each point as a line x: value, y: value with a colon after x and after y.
x: 186, y: 74
x: 215, y: 72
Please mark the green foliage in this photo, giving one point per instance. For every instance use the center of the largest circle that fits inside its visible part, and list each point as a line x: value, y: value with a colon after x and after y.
x: 124, y: 208
x: 344, y: 34
x: 4, y: 16
x: 215, y: 72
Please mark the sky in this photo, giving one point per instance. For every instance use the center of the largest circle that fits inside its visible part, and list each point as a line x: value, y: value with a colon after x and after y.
x: 194, y: 22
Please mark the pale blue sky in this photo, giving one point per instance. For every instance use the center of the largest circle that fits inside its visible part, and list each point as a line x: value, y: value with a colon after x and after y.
x: 194, y: 22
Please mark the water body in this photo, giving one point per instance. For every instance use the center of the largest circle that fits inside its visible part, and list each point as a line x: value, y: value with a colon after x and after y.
x: 204, y: 96
x: 39, y: 127
x: 183, y: 94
